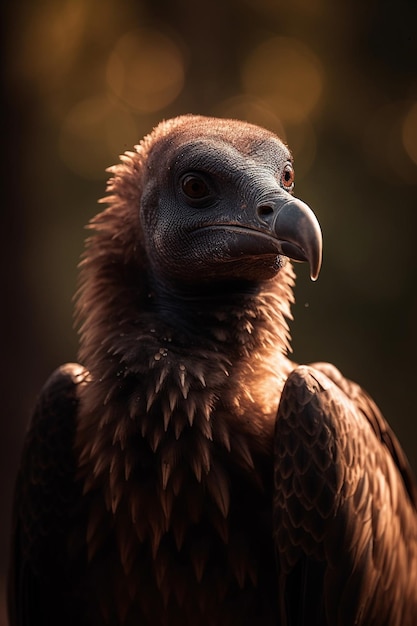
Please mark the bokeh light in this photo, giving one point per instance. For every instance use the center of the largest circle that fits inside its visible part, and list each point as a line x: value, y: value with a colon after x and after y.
x: 287, y: 75
x: 49, y: 40
x: 275, y: 7
x: 93, y: 132
x: 389, y: 143
x: 146, y: 70
x: 251, y: 109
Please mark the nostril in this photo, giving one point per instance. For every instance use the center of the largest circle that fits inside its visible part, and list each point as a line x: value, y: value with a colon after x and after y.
x: 264, y: 211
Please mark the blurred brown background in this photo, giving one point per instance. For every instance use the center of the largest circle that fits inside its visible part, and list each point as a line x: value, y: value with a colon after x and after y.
x: 86, y: 79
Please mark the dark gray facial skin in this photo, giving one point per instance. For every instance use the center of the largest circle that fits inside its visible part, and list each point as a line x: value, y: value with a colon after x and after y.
x: 218, y: 207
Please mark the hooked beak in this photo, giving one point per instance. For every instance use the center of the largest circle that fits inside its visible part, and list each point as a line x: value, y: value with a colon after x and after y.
x: 298, y: 233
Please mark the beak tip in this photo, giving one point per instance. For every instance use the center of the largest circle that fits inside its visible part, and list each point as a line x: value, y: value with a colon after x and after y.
x: 299, y: 234
x: 315, y: 269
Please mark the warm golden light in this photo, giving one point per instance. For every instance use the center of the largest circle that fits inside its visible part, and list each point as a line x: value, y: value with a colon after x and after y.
x: 287, y: 75
x: 390, y: 142
x: 250, y: 109
x: 145, y: 70
x: 93, y: 133
x: 50, y: 40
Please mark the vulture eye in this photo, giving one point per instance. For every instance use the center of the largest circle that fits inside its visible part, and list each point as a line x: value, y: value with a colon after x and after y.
x: 195, y: 187
x: 287, y: 177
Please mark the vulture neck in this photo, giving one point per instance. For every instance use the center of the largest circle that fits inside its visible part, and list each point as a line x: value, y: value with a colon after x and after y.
x: 163, y: 361
x: 237, y: 333
x: 238, y: 316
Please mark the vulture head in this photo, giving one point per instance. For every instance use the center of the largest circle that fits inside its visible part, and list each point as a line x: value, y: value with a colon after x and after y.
x: 213, y: 202
x: 217, y: 204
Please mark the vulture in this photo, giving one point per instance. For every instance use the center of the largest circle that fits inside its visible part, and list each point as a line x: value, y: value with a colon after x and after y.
x: 187, y: 471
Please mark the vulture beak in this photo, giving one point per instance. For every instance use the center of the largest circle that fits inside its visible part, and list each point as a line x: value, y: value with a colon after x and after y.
x: 298, y: 232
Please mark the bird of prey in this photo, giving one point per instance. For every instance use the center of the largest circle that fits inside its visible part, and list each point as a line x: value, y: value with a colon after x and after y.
x: 187, y: 471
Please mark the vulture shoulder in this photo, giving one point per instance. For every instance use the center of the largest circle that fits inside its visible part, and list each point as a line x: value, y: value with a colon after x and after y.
x: 344, y: 507
x: 46, y: 498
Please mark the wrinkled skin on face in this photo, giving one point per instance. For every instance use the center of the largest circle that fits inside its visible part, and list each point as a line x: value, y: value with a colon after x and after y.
x: 227, y: 209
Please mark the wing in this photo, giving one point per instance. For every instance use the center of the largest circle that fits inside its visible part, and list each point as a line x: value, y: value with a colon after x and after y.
x: 345, y: 517
x: 46, y: 497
